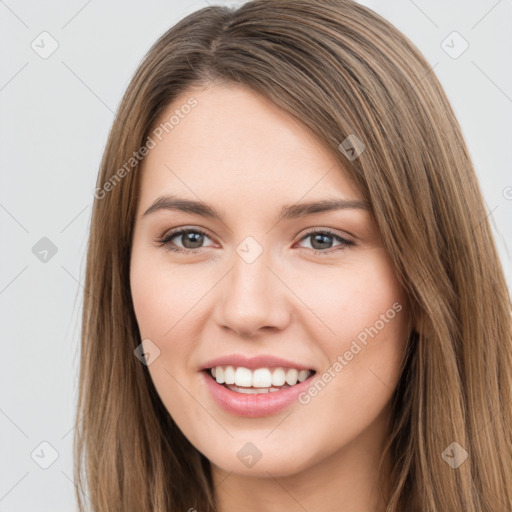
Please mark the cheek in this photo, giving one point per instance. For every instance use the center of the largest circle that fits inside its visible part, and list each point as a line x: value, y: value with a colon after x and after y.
x: 354, y: 298
x: 364, y: 313
x: 163, y: 299
x: 163, y: 295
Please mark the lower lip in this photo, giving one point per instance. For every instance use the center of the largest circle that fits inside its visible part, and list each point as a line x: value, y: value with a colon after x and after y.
x: 263, y: 404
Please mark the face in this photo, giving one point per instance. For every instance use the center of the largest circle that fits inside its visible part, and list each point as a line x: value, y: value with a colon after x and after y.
x: 297, y: 309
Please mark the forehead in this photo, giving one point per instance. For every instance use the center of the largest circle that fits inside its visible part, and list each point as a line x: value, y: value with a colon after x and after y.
x: 233, y: 139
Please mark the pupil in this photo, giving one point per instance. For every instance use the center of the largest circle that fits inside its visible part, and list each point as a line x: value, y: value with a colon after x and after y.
x: 324, y: 239
x: 196, y: 239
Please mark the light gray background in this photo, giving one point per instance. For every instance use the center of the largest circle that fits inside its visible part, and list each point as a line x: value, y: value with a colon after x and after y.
x: 55, y: 117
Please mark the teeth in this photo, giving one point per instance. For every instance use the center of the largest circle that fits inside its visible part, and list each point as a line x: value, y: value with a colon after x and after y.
x: 261, y: 378
x: 229, y: 375
x: 243, y: 377
x: 291, y: 376
x: 266, y: 379
x: 303, y: 375
x: 278, y: 377
x: 254, y: 391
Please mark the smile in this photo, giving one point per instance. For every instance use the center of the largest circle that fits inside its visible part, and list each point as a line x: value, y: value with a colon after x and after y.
x: 264, y: 399
x: 259, y: 380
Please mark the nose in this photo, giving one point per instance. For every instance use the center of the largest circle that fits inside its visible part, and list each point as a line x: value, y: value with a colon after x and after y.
x: 253, y: 298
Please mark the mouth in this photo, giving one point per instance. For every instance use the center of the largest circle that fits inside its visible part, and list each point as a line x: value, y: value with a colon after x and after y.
x: 257, y: 381
x: 257, y: 392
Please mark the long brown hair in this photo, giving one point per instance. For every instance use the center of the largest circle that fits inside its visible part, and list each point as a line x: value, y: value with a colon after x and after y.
x: 341, y: 70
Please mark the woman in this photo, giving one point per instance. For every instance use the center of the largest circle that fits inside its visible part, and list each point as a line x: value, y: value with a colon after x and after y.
x: 294, y: 301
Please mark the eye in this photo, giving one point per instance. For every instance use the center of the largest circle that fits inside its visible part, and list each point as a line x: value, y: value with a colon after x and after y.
x: 191, y: 239
x: 321, y: 240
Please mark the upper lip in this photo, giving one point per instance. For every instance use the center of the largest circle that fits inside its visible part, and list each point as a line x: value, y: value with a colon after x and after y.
x: 252, y: 363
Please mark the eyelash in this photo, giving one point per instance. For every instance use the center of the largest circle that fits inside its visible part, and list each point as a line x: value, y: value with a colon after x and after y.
x: 166, y: 239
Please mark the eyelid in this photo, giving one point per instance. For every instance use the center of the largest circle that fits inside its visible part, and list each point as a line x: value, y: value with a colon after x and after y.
x: 344, y: 242
x: 171, y: 233
x: 165, y: 239
x: 312, y: 231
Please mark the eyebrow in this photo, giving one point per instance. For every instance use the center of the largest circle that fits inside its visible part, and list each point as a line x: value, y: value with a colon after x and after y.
x: 288, y: 211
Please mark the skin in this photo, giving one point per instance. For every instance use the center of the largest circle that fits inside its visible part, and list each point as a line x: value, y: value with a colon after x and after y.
x: 240, y: 154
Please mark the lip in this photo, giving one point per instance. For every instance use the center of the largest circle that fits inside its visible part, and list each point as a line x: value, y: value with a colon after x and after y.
x: 252, y: 363
x: 252, y: 406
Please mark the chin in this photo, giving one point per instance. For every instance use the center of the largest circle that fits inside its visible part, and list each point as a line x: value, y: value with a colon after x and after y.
x: 268, y: 460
